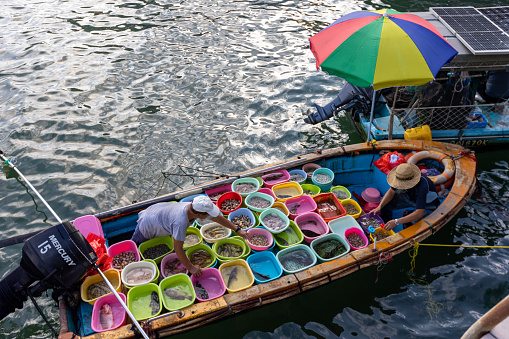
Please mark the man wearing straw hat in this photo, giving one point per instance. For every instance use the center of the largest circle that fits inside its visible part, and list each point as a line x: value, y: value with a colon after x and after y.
x: 409, y: 188
x: 174, y: 218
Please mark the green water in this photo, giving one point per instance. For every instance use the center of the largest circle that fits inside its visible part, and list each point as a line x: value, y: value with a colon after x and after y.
x: 98, y: 98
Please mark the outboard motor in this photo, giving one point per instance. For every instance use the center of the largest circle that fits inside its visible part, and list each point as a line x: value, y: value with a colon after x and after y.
x: 57, y: 258
x: 350, y: 97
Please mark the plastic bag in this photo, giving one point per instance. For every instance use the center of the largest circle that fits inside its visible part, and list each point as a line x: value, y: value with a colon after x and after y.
x: 389, y: 160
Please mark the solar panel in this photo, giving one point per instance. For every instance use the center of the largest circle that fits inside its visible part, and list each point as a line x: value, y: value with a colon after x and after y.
x: 480, y: 33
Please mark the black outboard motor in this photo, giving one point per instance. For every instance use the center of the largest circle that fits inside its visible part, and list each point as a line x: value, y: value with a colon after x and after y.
x: 58, y: 258
x: 350, y: 97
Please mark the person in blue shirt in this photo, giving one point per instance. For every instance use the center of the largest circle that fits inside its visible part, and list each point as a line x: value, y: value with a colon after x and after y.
x: 409, y: 188
x: 174, y: 218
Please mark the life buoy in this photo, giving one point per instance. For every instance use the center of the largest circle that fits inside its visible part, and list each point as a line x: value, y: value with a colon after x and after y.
x: 409, y: 155
x: 448, y: 164
x: 445, y: 185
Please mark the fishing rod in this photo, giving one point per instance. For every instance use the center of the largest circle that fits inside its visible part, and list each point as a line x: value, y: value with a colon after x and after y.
x: 10, y: 163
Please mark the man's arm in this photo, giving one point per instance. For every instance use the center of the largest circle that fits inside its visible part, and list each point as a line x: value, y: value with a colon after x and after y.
x: 228, y: 224
x: 385, y: 200
x: 179, y: 250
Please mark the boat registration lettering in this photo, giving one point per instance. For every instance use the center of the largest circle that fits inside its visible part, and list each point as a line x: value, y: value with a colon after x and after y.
x: 470, y: 142
x: 45, y: 246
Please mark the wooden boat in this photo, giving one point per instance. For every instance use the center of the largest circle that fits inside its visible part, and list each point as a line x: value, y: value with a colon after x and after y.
x: 353, y: 168
x: 493, y: 324
x: 453, y: 113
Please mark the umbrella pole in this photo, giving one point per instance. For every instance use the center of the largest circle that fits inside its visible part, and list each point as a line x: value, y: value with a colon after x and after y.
x: 372, y: 114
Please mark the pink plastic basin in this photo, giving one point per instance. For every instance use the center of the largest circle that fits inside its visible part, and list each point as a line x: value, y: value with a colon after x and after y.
x: 261, y: 231
x: 371, y: 195
x: 313, y: 222
x: 88, y: 224
x: 215, y: 191
x: 124, y: 246
x: 269, y: 183
x: 211, y: 281
x: 267, y: 191
x: 165, y: 260
x: 300, y: 205
x: 360, y: 233
x: 119, y: 315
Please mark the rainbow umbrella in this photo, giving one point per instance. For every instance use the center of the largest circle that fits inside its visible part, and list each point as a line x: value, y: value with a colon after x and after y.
x: 383, y: 48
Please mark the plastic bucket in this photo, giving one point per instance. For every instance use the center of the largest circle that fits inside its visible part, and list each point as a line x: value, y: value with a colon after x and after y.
x: 212, y: 282
x: 244, y: 277
x: 264, y: 266
x: 274, y: 178
x: 271, y: 227
x: 228, y: 196
x: 355, y: 230
x: 139, y: 301
x: 355, y: 204
x: 252, y: 181
x: 192, y: 231
x: 202, y: 247
x: 166, y: 259
x: 121, y: 247
x: 263, y: 232
x: 313, y: 189
x: 267, y: 191
x: 283, y: 257
x: 232, y: 241
x: 324, y: 186
x: 144, y: 246
x: 206, y: 228
x: 177, y: 292
x: 310, y: 168
x: 312, y: 222
x: 145, y: 264
x: 241, y: 212
x: 300, y: 205
x: 268, y: 198
x: 297, y: 175
x: 118, y: 312
x: 113, y: 277
x: 362, y: 220
x: 341, y: 192
x: 328, y: 237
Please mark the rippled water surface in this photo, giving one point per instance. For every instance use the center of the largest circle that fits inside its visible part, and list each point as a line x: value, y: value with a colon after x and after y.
x: 98, y: 98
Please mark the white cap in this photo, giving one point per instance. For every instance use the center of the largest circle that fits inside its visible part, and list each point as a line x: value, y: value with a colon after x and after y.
x: 203, y: 204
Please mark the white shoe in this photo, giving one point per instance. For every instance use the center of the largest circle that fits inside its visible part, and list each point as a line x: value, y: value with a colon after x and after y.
x: 479, y: 98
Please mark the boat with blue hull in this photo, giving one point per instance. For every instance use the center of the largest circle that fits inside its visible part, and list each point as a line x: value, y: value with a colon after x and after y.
x: 353, y: 168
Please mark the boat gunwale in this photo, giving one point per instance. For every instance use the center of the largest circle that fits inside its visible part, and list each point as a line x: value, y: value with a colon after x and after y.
x: 289, y: 285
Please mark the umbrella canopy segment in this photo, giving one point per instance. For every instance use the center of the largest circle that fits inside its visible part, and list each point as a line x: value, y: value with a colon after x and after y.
x: 382, y: 48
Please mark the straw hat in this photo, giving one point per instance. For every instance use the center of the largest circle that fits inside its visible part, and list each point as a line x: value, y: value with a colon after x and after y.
x: 404, y: 176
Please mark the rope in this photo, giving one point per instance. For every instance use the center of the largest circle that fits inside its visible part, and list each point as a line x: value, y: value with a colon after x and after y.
x: 383, y: 259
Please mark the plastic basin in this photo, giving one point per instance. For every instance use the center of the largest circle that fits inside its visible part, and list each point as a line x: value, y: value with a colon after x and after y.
x: 118, y: 312
x: 215, y: 193
x: 287, y: 191
x: 328, y: 206
x: 274, y: 178
x: 268, y: 198
x: 229, y: 196
x: 355, y: 230
x: 300, y: 205
x: 202, y: 247
x: 124, y: 246
x: 310, y: 168
x: 148, y: 264
x: 113, y: 277
x: 312, y: 222
x: 192, y: 231
x: 233, y: 241
x: 296, y: 258
x: 212, y: 282
x: 264, y: 264
x: 167, y: 240
x: 279, y: 214
x: 371, y: 194
x: 355, y: 204
x: 381, y: 230
x: 204, y: 229
x: 315, y: 190
x: 237, y: 275
x: 290, y: 237
x: 362, y: 220
x: 295, y: 174
x: 253, y: 181
x: 240, y: 212
x: 324, y: 186
x: 267, y: 191
x: 178, y: 286
x: 89, y: 224
x: 329, y: 237
x: 169, y: 257
x: 340, y: 225
x: 139, y: 301
x: 260, y: 231
x: 342, y: 191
